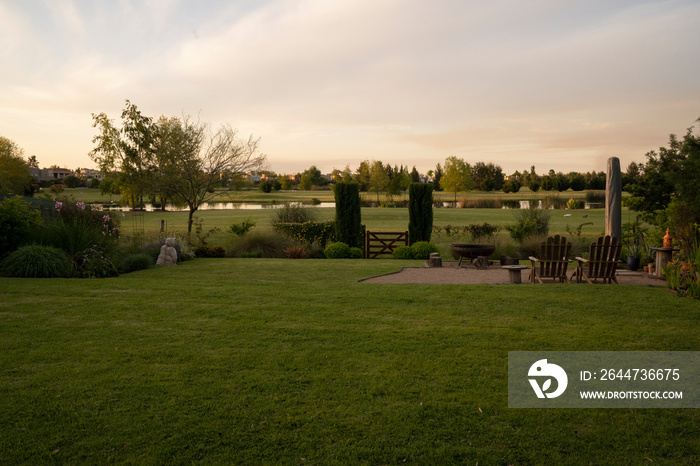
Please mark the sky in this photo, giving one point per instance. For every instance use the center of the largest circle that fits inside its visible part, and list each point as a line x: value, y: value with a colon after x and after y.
x: 557, y: 84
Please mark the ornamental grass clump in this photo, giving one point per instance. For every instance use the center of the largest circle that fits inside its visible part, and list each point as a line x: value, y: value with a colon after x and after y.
x: 294, y: 213
x: 268, y: 243
x: 36, y: 261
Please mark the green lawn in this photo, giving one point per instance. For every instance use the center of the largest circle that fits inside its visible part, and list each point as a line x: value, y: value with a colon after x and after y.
x: 254, y: 361
x: 378, y: 219
x: 326, y: 195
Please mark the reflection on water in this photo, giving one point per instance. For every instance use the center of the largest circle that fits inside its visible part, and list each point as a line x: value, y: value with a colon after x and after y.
x: 213, y: 206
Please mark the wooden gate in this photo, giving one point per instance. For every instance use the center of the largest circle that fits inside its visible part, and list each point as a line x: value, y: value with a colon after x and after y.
x: 383, y: 243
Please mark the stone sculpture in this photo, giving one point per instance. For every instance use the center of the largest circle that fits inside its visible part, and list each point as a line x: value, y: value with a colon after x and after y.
x: 168, y: 253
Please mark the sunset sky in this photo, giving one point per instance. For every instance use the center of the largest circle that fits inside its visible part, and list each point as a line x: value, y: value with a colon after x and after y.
x: 552, y: 83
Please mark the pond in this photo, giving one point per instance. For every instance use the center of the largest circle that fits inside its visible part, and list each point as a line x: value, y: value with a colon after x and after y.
x: 211, y: 206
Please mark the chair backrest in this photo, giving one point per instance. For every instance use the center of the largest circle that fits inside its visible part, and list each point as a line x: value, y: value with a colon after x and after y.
x: 554, y: 257
x: 604, y: 256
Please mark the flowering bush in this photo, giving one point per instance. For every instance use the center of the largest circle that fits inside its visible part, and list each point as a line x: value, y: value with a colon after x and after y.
x: 78, y: 228
x: 92, y: 263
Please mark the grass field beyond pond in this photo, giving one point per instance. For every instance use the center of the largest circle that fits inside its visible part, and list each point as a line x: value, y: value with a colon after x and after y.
x: 254, y: 361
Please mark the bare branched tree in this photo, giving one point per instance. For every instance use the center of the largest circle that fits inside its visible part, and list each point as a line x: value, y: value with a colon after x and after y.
x: 200, y: 160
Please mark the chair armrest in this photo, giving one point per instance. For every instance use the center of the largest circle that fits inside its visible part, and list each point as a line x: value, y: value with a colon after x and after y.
x: 534, y: 259
x: 582, y: 260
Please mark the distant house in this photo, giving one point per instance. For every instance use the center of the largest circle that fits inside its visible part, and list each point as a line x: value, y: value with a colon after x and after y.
x: 50, y: 174
x: 89, y: 173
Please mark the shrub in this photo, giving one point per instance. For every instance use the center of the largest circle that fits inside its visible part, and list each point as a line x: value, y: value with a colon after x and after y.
x: 251, y: 255
x: 348, y: 213
x: 485, y: 230
x: 573, y: 204
x: 294, y: 213
x: 267, y: 243
x: 423, y: 249
x: 210, y: 251
x: 36, y: 261
x: 420, y: 212
x: 355, y: 253
x: 93, y: 263
x: 134, y: 262
x: 529, y: 222
x: 16, y: 223
x: 403, y: 253
x: 78, y: 228
x: 337, y: 251
x: 240, y: 229
x: 308, y: 233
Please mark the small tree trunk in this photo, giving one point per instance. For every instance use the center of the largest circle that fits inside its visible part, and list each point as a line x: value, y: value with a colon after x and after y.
x: 189, y: 220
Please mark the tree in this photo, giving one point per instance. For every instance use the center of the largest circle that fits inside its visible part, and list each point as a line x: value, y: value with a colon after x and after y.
x: 362, y: 175
x: 487, y: 177
x: 511, y: 186
x: 195, y: 169
x: 415, y: 176
x: 72, y: 181
x: 420, y: 212
x: 285, y: 183
x: 457, y: 176
x: 348, y: 213
x: 127, y: 150
x: 33, y: 162
x: 378, y: 178
x: 672, y: 173
x: 14, y: 171
x: 578, y: 181
x: 311, y: 177
x: 437, y: 176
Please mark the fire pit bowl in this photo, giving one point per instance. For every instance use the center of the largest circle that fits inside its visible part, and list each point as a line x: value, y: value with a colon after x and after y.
x: 471, y: 251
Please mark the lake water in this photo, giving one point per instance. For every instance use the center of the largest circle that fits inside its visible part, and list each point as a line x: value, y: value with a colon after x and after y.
x: 214, y: 206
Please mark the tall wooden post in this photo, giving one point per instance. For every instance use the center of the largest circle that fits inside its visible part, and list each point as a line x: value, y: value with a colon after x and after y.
x: 613, y: 199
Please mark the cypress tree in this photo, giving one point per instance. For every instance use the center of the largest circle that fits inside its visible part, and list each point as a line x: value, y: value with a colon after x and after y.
x: 420, y: 212
x: 348, y: 216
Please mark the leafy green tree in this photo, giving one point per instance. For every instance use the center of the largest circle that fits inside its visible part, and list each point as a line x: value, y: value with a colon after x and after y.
x: 547, y: 184
x: 311, y: 177
x: 487, y: 176
x: 511, y: 186
x: 457, y: 176
x: 362, y: 175
x: 671, y: 174
x: 378, y: 178
x: 286, y: 183
x: 578, y: 181
x: 14, y: 171
x: 127, y: 150
x: 72, y: 181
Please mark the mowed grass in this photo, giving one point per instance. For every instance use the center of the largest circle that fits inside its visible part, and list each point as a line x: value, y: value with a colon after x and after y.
x: 326, y: 195
x: 254, y: 361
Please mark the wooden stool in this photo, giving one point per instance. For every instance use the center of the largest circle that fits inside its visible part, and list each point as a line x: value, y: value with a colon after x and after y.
x: 514, y: 272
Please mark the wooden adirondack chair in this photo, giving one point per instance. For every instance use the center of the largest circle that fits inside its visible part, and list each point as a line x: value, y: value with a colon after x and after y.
x: 553, y: 260
x: 602, y: 262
